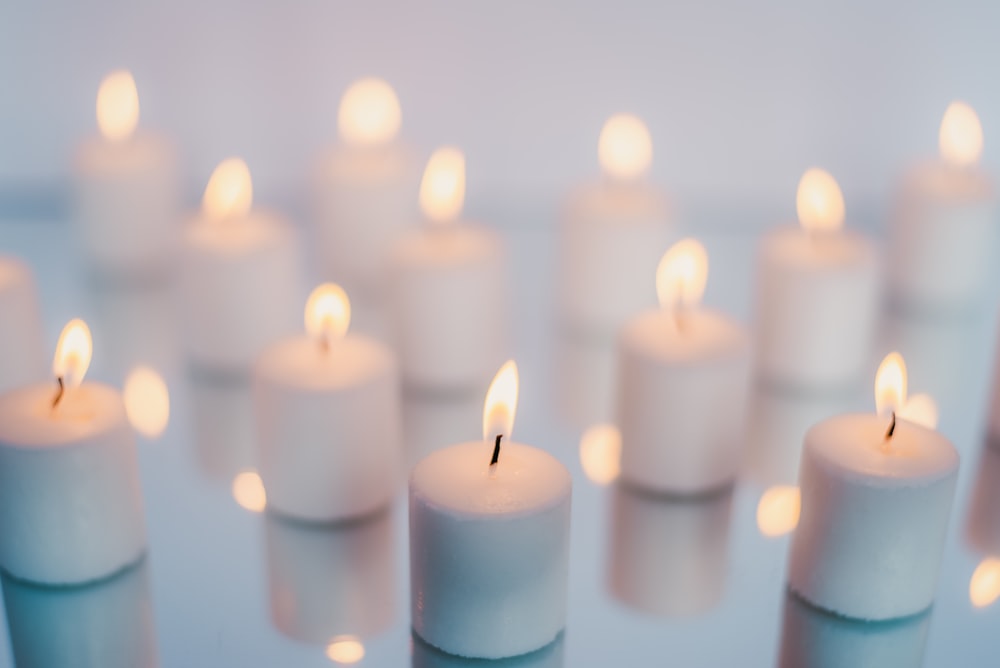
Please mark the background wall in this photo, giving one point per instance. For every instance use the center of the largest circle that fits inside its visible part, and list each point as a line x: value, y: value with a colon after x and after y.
x: 740, y: 96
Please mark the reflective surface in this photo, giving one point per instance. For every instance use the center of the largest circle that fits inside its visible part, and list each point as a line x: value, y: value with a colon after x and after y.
x: 685, y: 582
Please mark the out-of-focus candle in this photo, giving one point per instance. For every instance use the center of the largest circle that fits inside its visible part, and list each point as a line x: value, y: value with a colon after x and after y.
x: 22, y: 359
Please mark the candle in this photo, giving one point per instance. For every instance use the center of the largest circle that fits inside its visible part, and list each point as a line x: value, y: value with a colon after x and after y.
x: 327, y: 414
x: 585, y: 371
x: 683, y: 375
x: 70, y: 498
x: 425, y: 656
x: 449, y: 293
x: 943, y: 232
x: 125, y: 188
x: 489, y: 539
x: 611, y: 233
x: 21, y: 356
x: 364, y: 189
x: 876, y: 494
x: 240, y: 275
x: 817, y: 294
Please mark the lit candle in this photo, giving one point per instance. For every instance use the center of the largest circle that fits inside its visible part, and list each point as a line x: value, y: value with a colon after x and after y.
x: 612, y: 233
x: 70, y: 498
x: 876, y: 493
x: 22, y: 359
x: 489, y: 539
x: 126, y: 192
x: 943, y: 232
x: 240, y: 276
x: 683, y: 378
x: 449, y: 294
x: 364, y: 189
x: 817, y: 294
x: 327, y: 413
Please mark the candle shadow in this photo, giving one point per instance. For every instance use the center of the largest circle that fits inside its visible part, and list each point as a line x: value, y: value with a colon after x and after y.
x: 586, y: 378
x: 225, y: 435
x: 432, y: 422
x: 427, y: 656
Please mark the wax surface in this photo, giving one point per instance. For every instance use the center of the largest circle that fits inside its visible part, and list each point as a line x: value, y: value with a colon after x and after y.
x: 687, y: 337
x: 301, y: 362
x: 27, y: 419
x: 257, y: 230
x: 796, y: 247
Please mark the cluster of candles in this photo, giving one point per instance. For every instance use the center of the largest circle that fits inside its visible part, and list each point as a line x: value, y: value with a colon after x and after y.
x: 489, y: 519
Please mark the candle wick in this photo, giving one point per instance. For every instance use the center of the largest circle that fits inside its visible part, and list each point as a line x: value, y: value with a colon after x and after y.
x: 679, y: 316
x: 892, y: 427
x: 496, y: 452
x: 59, y: 392
x: 324, y: 344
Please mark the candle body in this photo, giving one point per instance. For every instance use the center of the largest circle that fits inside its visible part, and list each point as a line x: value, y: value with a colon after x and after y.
x: 611, y: 238
x: 22, y: 359
x: 328, y: 427
x: 489, y: 554
x: 872, y: 526
x: 70, y: 498
x: 240, y: 289
x: 682, y: 396
x: 450, y: 306
x: 126, y: 199
x: 817, y: 307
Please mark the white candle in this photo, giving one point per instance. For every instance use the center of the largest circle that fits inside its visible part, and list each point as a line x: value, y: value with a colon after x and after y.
x: 612, y: 232
x: 876, y: 495
x: 817, y: 294
x: 683, y: 376
x: 943, y: 232
x: 70, y: 497
x: 126, y: 193
x: 364, y: 189
x: 22, y: 359
x: 239, y: 280
x: 489, y: 539
x: 327, y: 414
x: 449, y: 293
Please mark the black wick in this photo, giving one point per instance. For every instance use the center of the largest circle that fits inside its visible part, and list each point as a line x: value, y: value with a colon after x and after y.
x: 892, y: 427
x: 59, y: 392
x: 496, y: 451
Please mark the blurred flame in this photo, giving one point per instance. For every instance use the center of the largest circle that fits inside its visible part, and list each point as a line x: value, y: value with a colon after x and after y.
x: 682, y: 274
x: 328, y: 313
x: 778, y: 511
x: 890, y: 385
x: 625, y: 149
x: 345, y: 649
x: 819, y: 202
x: 73, y: 353
x: 960, y: 139
x: 984, y: 586
x: 248, y: 490
x: 501, y: 403
x: 147, y: 401
x: 442, y: 189
x: 920, y: 409
x: 369, y: 113
x: 600, y: 453
x: 117, y: 106
x: 229, y: 193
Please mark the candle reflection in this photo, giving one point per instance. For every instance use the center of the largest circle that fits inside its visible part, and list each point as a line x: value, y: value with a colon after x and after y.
x: 601, y: 453
x: 585, y: 369
x: 425, y: 656
x: 147, y: 401
x: 778, y: 510
x: 345, y: 650
x: 225, y: 441
x: 249, y: 492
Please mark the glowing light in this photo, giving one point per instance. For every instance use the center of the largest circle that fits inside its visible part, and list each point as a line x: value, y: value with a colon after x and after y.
x: 248, y: 490
x: 890, y: 385
x: 682, y: 274
x: 73, y: 353
x: 442, y: 189
x: 960, y: 139
x: 984, y: 586
x: 778, y: 511
x: 328, y: 313
x: 369, y: 113
x: 819, y: 202
x: 147, y: 401
x: 920, y: 409
x: 625, y: 149
x: 600, y: 453
x: 345, y: 649
x: 501, y: 403
x: 229, y: 193
x: 117, y: 106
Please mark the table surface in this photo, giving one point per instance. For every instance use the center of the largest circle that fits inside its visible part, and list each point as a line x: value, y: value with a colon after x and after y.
x: 711, y: 586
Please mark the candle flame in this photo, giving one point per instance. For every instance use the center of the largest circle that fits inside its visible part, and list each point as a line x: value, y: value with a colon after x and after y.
x: 625, y: 148
x: 819, y: 202
x: 984, y: 586
x: 890, y: 385
x: 960, y: 139
x: 73, y: 353
x: 778, y: 510
x: 229, y: 193
x: 345, y: 649
x: 682, y: 274
x: 328, y: 313
x: 147, y: 401
x: 369, y: 113
x: 600, y: 453
x: 442, y: 189
x: 920, y: 409
x: 501, y: 403
x: 248, y: 490
x: 117, y: 106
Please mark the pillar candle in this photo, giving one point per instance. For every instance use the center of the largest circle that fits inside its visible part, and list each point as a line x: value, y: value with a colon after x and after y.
x: 449, y: 297
x: 817, y: 295
x: 489, y: 540
x: 683, y: 376
x: 876, y: 494
x: 611, y: 233
x: 943, y: 232
x: 125, y: 187
x: 239, y: 280
x: 327, y: 414
x: 22, y: 359
x: 70, y: 498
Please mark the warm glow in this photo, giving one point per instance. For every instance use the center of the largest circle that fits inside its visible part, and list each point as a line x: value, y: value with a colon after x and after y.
x: 229, y: 193
x: 778, y: 511
x: 601, y: 452
x: 890, y: 385
x: 345, y: 649
x: 328, y: 313
x: 625, y: 148
x: 147, y: 401
x: 442, y: 190
x: 369, y: 113
x: 117, y: 106
x: 984, y: 587
x: 819, y: 202
x: 73, y: 353
x: 681, y: 274
x: 920, y: 409
x: 248, y: 490
x: 501, y: 403
x: 960, y: 139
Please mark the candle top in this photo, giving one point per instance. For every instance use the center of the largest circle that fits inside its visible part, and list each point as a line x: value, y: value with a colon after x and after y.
x: 458, y: 479
x: 688, y: 337
x: 457, y: 245
x: 635, y: 201
x: 257, y: 229
x: 937, y: 178
x: 302, y: 362
x: 794, y: 246
x: 28, y: 420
